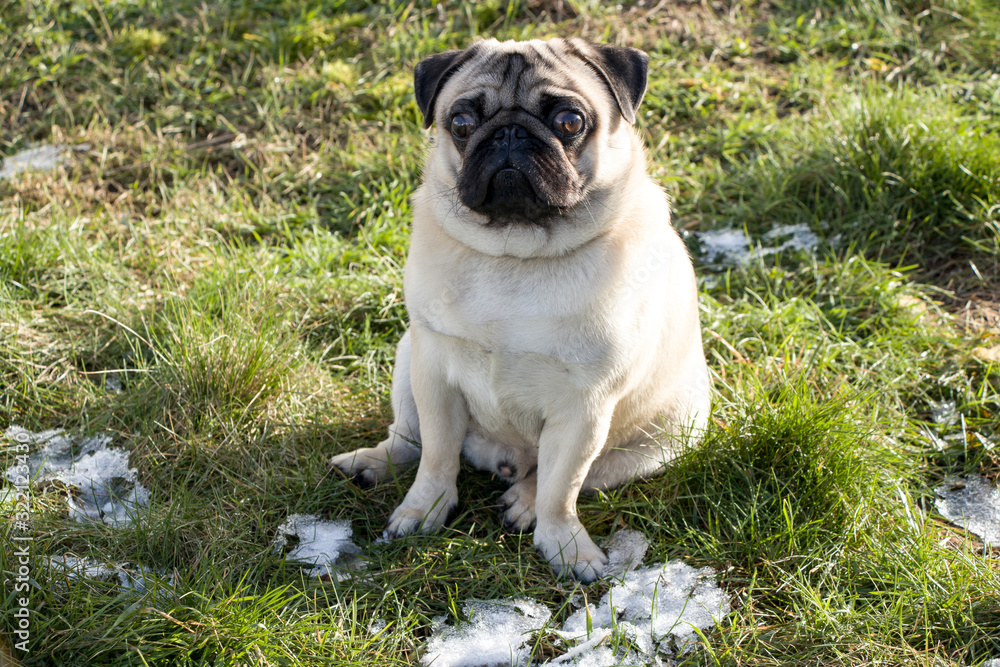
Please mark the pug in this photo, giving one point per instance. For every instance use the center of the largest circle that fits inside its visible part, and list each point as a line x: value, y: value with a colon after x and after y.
x: 554, y: 337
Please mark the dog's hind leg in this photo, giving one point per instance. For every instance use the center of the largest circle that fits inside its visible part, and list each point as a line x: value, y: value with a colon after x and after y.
x: 648, y: 453
x: 517, y: 505
x: 644, y: 457
x: 371, y: 465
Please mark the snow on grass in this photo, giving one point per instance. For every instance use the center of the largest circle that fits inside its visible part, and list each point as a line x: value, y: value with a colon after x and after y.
x: 974, y: 504
x: 944, y: 413
x: 40, y: 158
x: 626, y: 549
x: 724, y: 246
x: 646, y: 612
x: 654, y: 608
x: 325, y: 546
x: 496, y: 633
x: 733, y: 246
x: 131, y: 578
x: 102, y: 486
x: 792, y: 237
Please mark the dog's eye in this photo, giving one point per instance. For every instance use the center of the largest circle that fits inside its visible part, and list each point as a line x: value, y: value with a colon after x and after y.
x: 462, y: 126
x: 568, y: 123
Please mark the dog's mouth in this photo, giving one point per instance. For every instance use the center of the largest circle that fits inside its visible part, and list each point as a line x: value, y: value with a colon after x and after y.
x: 511, y: 197
x: 513, y: 176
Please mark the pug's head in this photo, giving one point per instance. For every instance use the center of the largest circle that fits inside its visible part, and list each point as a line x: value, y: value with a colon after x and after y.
x: 533, y: 138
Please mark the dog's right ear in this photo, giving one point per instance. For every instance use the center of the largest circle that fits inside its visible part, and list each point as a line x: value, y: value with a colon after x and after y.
x: 430, y: 75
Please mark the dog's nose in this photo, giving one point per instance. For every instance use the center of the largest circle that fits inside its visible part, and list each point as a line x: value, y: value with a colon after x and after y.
x: 509, y: 132
x: 510, y: 137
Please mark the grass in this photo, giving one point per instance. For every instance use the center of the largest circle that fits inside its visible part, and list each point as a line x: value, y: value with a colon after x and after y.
x: 228, y: 243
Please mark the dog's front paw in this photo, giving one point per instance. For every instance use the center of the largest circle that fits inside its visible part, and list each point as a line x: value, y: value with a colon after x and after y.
x: 422, y: 511
x: 517, y: 506
x: 570, y: 551
x: 367, y: 467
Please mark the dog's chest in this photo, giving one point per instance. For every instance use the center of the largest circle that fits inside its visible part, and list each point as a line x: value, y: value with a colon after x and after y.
x: 509, y: 391
x: 517, y: 345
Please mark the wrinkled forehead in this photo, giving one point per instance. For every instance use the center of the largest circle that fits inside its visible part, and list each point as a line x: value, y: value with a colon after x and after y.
x: 524, y: 75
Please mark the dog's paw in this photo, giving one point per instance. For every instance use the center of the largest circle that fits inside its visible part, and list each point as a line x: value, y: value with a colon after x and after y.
x: 517, y: 506
x: 366, y: 467
x: 421, y: 512
x: 571, y: 552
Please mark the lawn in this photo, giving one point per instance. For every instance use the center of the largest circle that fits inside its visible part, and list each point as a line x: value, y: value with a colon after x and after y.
x: 211, y: 279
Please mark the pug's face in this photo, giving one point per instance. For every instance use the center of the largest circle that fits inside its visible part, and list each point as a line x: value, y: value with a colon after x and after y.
x: 532, y: 138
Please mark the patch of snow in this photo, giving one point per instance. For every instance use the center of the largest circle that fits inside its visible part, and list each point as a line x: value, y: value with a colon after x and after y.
x: 733, y: 246
x: 496, y: 634
x: 321, y: 544
x: 113, y: 383
x: 626, y: 549
x: 724, y: 246
x: 936, y: 441
x: 40, y: 158
x: 647, y: 611
x: 658, y: 604
x: 796, y: 237
x: 591, y: 653
x: 106, y: 489
x: 137, y: 579
x: 974, y: 504
x: 943, y: 413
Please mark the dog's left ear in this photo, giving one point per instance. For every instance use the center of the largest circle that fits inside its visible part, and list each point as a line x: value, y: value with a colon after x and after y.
x: 430, y: 75
x: 625, y: 70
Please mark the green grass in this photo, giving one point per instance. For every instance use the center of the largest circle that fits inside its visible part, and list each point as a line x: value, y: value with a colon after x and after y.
x: 230, y: 246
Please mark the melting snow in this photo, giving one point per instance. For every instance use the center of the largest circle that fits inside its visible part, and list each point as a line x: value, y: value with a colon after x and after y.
x: 113, y: 383
x: 136, y: 578
x: 106, y: 488
x: 647, y: 611
x: 732, y: 246
x: 974, y: 504
x: 626, y: 549
x: 944, y: 413
x: 653, y: 605
x: 496, y: 634
x: 796, y: 237
x: 40, y: 158
x: 320, y: 543
x: 724, y: 246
